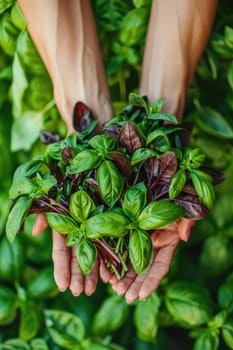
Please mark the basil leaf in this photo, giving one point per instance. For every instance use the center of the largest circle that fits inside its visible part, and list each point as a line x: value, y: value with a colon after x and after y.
x: 106, y: 224
x: 102, y: 143
x: 110, y: 182
x: 159, y: 215
x: 163, y: 116
x: 134, y: 200
x: 83, y: 161
x: 203, y: 188
x: 122, y: 163
x: 136, y: 100
x: 73, y: 239
x: 81, y: 205
x: 21, y: 186
x: 157, y: 105
x: 61, y: 223
x: 53, y: 150
x: 160, y: 140
x: 140, y: 250
x: 177, y: 183
x: 193, y: 158
x: 17, y: 216
x: 141, y: 154
x: 130, y: 137
x: 30, y: 168
x: 86, y: 254
x: 45, y: 183
x: 193, y: 207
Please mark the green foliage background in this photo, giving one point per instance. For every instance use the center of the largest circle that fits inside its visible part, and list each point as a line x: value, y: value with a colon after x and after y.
x: 193, y: 307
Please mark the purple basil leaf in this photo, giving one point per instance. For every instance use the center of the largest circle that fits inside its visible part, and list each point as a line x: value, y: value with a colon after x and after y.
x: 217, y: 176
x: 82, y: 116
x: 93, y: 183
x: 122, y: 163
x: 111, y: 130
x: 189, y: 189
x: 193, y: 207
x: 164, y: 168
x: 48, y: 137
x: 159, y: 191
x: 67, y: 154
x: 130, y: 137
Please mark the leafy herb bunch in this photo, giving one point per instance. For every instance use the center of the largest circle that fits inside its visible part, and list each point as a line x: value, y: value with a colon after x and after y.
x: 108, y: 191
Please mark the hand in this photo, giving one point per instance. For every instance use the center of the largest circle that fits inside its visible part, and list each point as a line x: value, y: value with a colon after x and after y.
x: 165, y: 242
x: 66, y: 271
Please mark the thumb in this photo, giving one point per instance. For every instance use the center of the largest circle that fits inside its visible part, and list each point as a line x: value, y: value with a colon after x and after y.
x: 39, y: 225
x: 184, y: 228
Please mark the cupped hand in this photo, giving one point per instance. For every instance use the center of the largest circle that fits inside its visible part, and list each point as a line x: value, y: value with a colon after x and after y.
x: 165, y: 242
x: 66, y: 270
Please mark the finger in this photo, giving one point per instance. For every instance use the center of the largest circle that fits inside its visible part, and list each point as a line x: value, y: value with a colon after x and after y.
x: 184, y: 228
x: 61, y: 260
x: 77, y: 278
x: 158, y: 269
x: 91, y: 280
x: 105, y: 273
x: 134, y: 289
x: 40, y: 224
x: 122, y: 286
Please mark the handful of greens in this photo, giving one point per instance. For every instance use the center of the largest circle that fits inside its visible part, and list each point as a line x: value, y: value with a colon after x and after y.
x: 108, y: 191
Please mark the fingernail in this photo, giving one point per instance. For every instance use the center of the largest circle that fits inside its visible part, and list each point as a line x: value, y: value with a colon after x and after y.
x: 187, y: 234
x: 62, y: 289
x: 142, y: 299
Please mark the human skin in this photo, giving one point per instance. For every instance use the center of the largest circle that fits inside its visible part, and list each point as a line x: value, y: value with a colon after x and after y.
x: 65, y: 36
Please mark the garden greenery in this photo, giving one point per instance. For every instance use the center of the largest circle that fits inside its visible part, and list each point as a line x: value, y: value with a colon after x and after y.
x: 193, y: 306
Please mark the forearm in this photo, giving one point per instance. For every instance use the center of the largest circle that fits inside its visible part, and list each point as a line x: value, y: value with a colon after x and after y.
x: 177, y: 35
x: 65, y: 35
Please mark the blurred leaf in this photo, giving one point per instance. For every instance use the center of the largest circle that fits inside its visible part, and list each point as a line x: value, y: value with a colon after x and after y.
x: 15, y: 344
x: 8, y: 304
x: 219, y: 46
x: 213, y: 123
x: 189, y: 304
x: 12, y: 259
x: 8, y: 35
x: 43, y: 285
x: 216, y: 255
x: 39, y: 344
x: 230, y: 75
x: 17, y: 17
x: 209, y: 340
x: 29, y: 320
x: 19, y: 86
x: 228, y: 34
x: 140, y: 3
x: 111, y: 316
x: 146, y: 318
x: 5, y: 4
x: 65, y: 329
x: 227, y: 334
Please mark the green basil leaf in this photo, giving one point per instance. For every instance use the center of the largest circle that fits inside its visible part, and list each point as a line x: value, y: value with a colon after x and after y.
x: 8, y: 34
x: 39, y: 344
x: 228, y: 36
x: 21, y: 186
x: 106, y: 224
x: 17, y: 216
x: 193, y: 158
x: 160, y: 140
x: 159, y: 215
x: 227, y: 334
x: 29, y: 320
x: 146, y: 318
x: 61, y: 223
x: 203, y: 188
x: 110, y: 182
x: 157, y: 106
x: 45, y: 183
x: 86, y: 254
x: 189, y: 304
x: 17, y: 17
x: 134, y: 200
x: 30, y: 168
x: 140, y: 250
x: 15, y: 344
x: 66, y: 329
x: 104, y: 323
x: 208, y: 340
x: 81, y: 205
x: 136, y: 100
x: 54, y: 150
x: 141, y: 154
x: 102, y: 143
x: 8, y: 305
x: 5, y: 4
x: 163, y: 116
x: 177, y: 183
x: 73, y: 239
x: 83, y: 161
x: 43, y: 285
